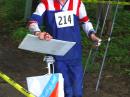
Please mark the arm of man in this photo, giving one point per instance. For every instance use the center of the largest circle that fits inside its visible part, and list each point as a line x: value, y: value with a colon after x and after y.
x: 87, y: 25
x: 36, y: 21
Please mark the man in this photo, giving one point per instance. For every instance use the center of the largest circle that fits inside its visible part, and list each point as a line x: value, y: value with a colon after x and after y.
x: 62, y: 19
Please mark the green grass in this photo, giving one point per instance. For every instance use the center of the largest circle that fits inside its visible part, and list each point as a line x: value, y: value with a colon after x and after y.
x: 19, y: 34
x: 12, y: 10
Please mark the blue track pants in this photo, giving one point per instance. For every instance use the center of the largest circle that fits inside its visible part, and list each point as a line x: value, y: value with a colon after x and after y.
x: 73, y: 73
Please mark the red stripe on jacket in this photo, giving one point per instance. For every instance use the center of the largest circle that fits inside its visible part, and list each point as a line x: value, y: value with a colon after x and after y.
x: 70, y: 5
x: 31, y: 22
x: 79, y: 3
x: 85, y: 19
x: 45, y: 2
x: 56, y: 5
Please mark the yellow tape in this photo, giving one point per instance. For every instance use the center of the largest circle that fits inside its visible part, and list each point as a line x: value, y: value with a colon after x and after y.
x: 105, y: 2
x: 16, y: 85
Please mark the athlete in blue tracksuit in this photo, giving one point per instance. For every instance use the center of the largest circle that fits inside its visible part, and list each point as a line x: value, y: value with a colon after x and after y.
x: 62, y: 20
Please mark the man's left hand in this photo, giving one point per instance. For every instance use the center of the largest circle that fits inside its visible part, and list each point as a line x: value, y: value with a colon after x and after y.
x: 96, y: 40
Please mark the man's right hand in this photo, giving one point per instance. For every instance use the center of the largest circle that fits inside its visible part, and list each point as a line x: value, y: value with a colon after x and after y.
x: 43, y: 36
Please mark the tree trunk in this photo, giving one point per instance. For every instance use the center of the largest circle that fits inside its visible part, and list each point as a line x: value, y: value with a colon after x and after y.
x: 28, y: 9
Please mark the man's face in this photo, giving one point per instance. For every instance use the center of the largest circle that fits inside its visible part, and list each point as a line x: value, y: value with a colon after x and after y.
x: 63, y: 0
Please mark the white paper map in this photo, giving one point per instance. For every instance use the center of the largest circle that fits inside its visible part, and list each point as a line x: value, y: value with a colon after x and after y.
x: 53, y: 47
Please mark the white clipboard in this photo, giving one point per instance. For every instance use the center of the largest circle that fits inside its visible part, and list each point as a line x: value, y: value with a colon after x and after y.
x: 53, y: 47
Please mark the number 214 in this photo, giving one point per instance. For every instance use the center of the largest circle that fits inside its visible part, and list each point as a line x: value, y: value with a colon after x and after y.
x: 64, y: 20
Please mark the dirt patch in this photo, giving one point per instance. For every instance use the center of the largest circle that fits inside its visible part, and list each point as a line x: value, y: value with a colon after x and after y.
x: 110, y: 85
x: 19, y: 64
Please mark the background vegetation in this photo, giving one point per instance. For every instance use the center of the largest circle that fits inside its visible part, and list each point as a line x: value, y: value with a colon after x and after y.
x: 118, y: 57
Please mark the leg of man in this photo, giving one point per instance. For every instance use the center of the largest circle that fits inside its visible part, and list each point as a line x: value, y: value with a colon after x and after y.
x: 61, y: 67
x: 76, y: 75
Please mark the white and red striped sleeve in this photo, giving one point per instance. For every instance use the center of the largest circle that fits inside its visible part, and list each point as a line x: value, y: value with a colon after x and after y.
x: 86, y: 24
x: 36, y: 18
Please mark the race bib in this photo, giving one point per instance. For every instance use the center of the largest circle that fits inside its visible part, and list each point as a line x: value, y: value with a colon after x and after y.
x: 64, y: 19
